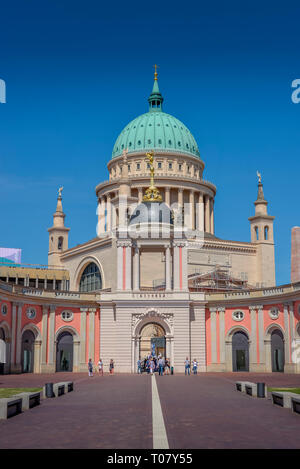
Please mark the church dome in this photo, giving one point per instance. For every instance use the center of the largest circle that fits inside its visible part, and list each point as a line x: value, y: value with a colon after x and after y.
x: 156, y: 130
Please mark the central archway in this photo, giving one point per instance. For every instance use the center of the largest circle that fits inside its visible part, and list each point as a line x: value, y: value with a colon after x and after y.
x: 153, y: 339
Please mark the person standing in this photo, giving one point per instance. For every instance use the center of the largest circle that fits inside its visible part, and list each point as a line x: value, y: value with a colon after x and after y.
x: 139, y: 366
x: 187, y: 366
x: 167, y: 366
x: 195, y: 366
x: 90, y: 367
x: 111, y: 367
x: 100, y: 367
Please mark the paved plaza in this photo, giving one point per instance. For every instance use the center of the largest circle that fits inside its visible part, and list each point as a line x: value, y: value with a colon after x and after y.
x: 203, y: 411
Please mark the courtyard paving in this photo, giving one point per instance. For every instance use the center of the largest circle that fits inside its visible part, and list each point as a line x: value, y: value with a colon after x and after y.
x: 203, y: 411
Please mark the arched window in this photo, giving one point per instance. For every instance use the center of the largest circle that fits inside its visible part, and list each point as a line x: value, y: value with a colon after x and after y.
x: 256, y: 232
x: 90, y: 279
x: 266, y: 232
x: 60, y: 242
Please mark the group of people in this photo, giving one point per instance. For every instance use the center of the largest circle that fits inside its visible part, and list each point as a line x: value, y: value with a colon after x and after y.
x: 187, y: 366
x: 151, y: 363
x: 100, y: 367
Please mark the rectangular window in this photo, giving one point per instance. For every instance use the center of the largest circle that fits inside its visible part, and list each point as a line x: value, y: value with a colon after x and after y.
x: 159, y: 165
x: 170, y: 165
x: 180, y: 167
x: 138, y: 166
x: 129, y: 168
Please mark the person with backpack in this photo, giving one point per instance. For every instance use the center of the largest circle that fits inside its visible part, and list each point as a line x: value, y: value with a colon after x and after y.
x: 195, y: 366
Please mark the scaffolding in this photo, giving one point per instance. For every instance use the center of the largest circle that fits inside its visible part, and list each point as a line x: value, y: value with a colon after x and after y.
x: 218, y: 280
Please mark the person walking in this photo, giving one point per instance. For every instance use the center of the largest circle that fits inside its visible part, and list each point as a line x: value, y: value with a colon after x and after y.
x: 161, y: 366
x: 139, y: 366
x: 152, y: 367
x: 111, y: 367
x: 187, y: 366
x: 100, y: 367
x: 90, y: 367
x: 195, y: 366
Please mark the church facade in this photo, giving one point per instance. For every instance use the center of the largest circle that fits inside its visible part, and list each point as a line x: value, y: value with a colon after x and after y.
x: 156, y: 275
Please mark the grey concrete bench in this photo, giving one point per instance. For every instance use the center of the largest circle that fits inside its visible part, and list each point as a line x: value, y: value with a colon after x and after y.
x: 60, y: 388
x: 289, y: 400
x: 29, y: 399
x: 10, y: 406
x: 247, y: 387
x: 241, y: 385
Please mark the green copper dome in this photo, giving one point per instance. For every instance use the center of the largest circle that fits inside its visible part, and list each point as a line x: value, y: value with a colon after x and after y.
x: 156, y: 130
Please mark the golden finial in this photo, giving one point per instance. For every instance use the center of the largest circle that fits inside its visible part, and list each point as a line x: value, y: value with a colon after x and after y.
x: 152, y: 193
x: 155, y: 72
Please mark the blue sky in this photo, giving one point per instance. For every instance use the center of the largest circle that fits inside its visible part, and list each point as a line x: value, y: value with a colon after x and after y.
x: 78, y: 72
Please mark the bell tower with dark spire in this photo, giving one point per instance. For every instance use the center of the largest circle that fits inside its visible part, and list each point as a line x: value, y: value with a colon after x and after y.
x: 261, y: 225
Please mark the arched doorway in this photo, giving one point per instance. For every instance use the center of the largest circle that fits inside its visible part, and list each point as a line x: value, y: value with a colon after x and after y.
x: 240, y: 351
x: 27, y: 351
x: 2, y: 351
x: 153, y: 340
x: 64, y: 352
x: 277, y: 351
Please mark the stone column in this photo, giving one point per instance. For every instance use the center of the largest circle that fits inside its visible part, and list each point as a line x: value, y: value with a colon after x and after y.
x: 176, y: 267
x: 92, y: 334
x: 180, y: 266
x: 168, y: 268
x: 221, y: 311
x: 200, y: 220
x: 253, y: 340
x: 76, y: 355
x: 212, y: 230
x: 292, y: 337
x: 52, y: 341
x: 140, y: 194
x: 44, y: 334
x: 82, y: 352
x: 13, y: 334
x: 180, y: 205
x: 128, y: 267
x: 101, y: 216
x: 191, y: 210
x: 167, y: 196
x: 133, y: 357
x: 287, y: 333
x: 18, y: 364
x: 207, y: 214
x: 213, y: 334
x: 37, y: 356
x: 136, y: 268
x: 261, y: 333
x: 119, y: 266
x: 108, y: 213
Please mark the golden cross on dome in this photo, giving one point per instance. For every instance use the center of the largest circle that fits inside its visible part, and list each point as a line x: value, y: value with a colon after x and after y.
x: 155, y: 72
